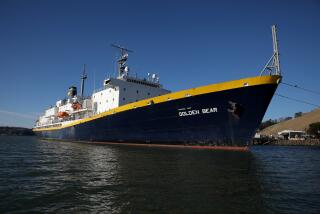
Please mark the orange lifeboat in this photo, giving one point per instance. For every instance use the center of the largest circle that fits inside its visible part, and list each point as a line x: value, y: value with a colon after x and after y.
x: 62, y: 114
x: 76, y: 106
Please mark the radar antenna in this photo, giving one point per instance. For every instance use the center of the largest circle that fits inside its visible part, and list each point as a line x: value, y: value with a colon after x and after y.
x: 83, y: 78
x: 122, y: 68
x: 273, y: 65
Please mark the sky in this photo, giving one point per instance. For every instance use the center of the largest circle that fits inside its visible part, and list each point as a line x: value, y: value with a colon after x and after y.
x: 44, y: 44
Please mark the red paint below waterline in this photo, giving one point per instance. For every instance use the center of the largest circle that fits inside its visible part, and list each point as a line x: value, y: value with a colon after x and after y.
x: 230, y: 148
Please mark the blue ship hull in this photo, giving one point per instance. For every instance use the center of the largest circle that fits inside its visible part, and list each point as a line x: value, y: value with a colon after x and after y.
x: 222, y: 118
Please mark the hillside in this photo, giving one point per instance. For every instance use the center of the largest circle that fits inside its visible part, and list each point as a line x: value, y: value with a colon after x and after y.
x: 17, y: 131
x: 298, y: 124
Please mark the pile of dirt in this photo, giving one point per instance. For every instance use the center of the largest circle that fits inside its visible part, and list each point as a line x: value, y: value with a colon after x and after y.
x: 298, y: 124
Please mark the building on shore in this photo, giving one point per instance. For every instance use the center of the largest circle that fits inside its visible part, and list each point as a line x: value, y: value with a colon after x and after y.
x: 292, y: 135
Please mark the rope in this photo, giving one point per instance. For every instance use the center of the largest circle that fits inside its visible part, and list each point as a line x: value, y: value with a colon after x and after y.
x: 301, y: 88
x: 300, y: 101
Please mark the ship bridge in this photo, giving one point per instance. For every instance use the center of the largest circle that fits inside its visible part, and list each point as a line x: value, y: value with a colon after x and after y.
x: 124, y: 88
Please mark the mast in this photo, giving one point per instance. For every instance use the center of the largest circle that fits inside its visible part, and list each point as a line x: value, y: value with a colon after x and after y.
x: 273, y: 65
x: 83, y: 78
x: 123, y: 70
x: 276, y: 61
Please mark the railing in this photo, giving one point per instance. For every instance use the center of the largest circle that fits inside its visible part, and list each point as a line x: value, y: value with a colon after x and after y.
x: 52, y: 123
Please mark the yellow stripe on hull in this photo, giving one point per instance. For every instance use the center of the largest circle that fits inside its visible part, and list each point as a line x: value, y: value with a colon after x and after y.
x: 252, y: 81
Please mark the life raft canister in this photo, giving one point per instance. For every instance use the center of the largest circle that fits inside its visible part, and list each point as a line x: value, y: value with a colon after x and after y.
x: 62, y: 114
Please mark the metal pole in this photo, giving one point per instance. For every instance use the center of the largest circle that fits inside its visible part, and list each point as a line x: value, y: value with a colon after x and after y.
x: 83, y: 77
x: 275, y: 50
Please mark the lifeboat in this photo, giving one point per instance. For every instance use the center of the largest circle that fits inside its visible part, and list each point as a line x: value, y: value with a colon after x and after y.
x: 76, y: 106
x: 62, y: 114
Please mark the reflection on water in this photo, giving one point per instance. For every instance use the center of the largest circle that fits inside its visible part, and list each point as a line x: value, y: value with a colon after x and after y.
x: 70, y: 177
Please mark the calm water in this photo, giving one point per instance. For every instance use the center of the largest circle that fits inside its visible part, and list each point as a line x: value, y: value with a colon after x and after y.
x: 39, y: 176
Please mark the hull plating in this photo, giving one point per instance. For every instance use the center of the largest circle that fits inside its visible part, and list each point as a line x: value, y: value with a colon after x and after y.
x: 225, y: 118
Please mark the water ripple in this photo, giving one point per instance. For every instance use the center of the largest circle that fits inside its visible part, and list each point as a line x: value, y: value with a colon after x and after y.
x: 60, y: 177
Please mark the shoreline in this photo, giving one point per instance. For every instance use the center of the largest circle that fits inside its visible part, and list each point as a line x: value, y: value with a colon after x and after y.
x: 255, y: 142
x: 15, y: 131
x: 308, y: 142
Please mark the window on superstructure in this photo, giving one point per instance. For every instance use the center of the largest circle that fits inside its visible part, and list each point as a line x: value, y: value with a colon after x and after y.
x: 148, y: 93
x: 137, y: 91
x: 124, y: 98
x: 124, y: 89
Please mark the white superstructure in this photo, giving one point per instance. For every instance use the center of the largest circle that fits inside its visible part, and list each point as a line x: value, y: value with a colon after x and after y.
x: 116, y: 92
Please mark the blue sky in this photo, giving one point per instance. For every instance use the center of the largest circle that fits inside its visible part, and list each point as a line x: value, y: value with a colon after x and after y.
x: 43, y: 45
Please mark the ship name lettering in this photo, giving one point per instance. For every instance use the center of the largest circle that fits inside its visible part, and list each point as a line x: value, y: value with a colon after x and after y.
x: 209, y: 110
x: 196, y: 111
x: 188, y: 113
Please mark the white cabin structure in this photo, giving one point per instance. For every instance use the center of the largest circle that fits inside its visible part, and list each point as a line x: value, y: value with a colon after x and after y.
x: 116, y: 92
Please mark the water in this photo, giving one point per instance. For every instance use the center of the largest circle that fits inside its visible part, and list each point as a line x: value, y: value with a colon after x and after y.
x: 60, y: 177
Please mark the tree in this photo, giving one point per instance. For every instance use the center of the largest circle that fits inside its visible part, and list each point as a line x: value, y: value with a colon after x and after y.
x: 266, y: 124
x: 298, y: 114
x: 314, y: 129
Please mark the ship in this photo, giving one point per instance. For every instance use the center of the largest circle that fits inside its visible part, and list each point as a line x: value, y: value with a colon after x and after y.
x: 140, y: 111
